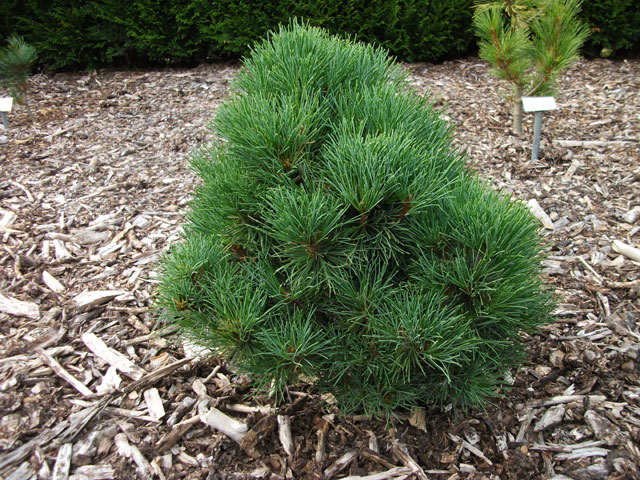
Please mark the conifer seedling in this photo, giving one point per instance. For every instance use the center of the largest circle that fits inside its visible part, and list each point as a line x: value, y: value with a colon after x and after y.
x: 528, y: 43
x: 16, y: 61
x: 338, y: 238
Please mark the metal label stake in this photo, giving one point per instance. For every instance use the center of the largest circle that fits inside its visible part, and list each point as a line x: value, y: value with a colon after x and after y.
x: 537, y: 105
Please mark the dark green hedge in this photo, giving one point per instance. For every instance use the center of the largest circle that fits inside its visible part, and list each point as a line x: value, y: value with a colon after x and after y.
x: 79, y: 34
x: 615, y: 25
x: 89, y: 33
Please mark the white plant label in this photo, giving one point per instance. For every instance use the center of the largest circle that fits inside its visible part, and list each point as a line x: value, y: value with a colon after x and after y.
x: 538, y: 104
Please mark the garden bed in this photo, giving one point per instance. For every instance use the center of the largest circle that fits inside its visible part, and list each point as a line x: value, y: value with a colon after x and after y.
x: 95, y: 189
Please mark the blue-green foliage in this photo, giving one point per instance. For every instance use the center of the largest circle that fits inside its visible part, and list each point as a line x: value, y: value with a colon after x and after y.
x: 337, y: 236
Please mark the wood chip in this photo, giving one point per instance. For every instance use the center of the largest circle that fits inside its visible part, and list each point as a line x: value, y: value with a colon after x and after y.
x: 131, y: 452
x: 110, y: 382
x: 540, y: 214
x: 90, y: 299
x: 63, y: 463
x: 53, y: 283
x: 260, y: 430
x: 395, y: 472
x: 284, y: 434
x: 340, y: 464
x: 94, y: 472
x: 62, y: 373
x: 552, y: 417
x: 592, y: 143
x: 113, y: 358
x: 583, y: 453
x: 177, y: 431
x: 16, y: 307
x: 418, y: 419
x: 400, y: 452
x: 632, y: 253
x: 604, y: 429
x: 151, y: 378
x: 154, y: 403
x: 231, y: 427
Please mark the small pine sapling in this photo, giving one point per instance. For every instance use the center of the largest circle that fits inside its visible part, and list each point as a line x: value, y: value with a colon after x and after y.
x: 16, y: 61
x: 528, y: 43
x: 337, y: 237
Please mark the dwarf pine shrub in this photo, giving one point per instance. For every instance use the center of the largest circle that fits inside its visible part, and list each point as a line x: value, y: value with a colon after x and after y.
x: 338, y: 238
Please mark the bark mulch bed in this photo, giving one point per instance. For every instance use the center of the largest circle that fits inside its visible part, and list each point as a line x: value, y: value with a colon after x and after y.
x: 92, y: 386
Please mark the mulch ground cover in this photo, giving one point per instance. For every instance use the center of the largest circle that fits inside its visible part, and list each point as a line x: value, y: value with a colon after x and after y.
x: 95, y: 385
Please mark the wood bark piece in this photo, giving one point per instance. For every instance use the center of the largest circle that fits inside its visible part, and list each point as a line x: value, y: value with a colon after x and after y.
x: 552, y: 417
x: 23, y: 472
x: 396, y: 472
x: 52, y: 282
x: 604, y: 429
x: 401, y: 454
x: 66, y: 430
x: 90, y: 299
x: 526, y: 422
x: 632, y: 215
x: 632, y: 253
x: 579, y: 453
x: 375, y: 456
x: 284, y: 433
x: 418, y: 419
x: 477, y: 452
x: 262, y: 409
x: 94, y: 472
x: 592, y: 143
x: 113, y: 358
x: 176, y: 433
x: 152, y: 335
x: 321, y: 432
x: 62, y: 373
x: 110, y: 382
x: 131, y: 452
x: 186, y: 404
x: 61, y: 250
x: 341, y: 463
x: 260, y: 430
x: 154, y: 403
x: 86, y: 448
x: 231, y: 427
x: 540, y: 214
x: 151, y: 378
x: 63, y: 463
x: 18, y: 308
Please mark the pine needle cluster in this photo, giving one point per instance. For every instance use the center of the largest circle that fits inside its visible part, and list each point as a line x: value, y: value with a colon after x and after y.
x: 338, y: 238
x: 530, y: 42
x: 16, y: 61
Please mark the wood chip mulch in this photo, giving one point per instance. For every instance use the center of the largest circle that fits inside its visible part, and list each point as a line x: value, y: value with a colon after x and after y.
x: 93, y: 387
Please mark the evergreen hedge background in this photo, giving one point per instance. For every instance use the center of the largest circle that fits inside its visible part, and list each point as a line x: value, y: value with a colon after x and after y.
x: 83, y: 34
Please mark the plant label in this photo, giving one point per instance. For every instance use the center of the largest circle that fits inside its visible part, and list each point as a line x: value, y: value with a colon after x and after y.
x: 5, y: 104
x: 538, y: 104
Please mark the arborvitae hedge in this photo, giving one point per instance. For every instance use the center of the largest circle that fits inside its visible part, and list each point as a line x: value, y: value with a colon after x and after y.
x: 338, y: 237
x: 88, y: 33
x: 78, y: 34
x: 615, y: 25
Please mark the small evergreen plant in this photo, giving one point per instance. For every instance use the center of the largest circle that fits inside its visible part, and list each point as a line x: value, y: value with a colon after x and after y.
x: 337, y: 238
x: 16, y: 61
x: 529, y: 42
